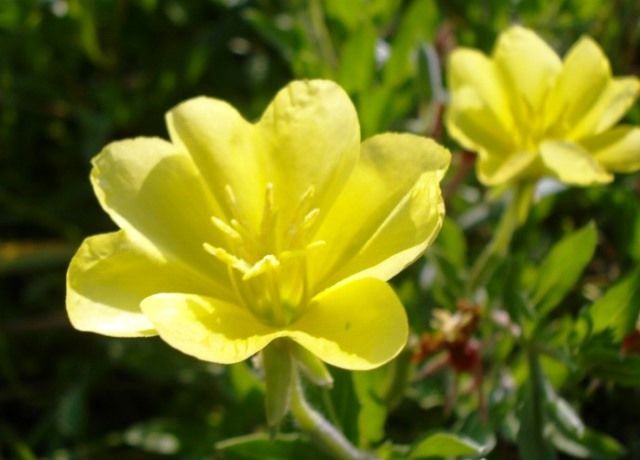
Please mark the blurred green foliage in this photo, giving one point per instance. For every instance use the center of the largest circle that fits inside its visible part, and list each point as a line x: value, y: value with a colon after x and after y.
x: 561, y: 367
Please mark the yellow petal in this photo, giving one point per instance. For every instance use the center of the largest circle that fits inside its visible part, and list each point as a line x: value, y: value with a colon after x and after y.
x: 468, y: 68
x: 618, y: 149
x: 614, y: 101
x: 585, y: 74
x: 227, y: 151
x: 571, y: 164
x: 356, y: 325
x: 500, y: 169
x: 388, y: 212
x: 312, y: 139
x: 529, y: 68
x: 472, y: 122
x: 107, y: 279
x: 154, y: 192
x: 207, y: 328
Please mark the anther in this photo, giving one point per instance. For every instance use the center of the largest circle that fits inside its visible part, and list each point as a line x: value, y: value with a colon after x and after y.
x: 266, y: 264
x: 226, y: 258
x: 226, y: 228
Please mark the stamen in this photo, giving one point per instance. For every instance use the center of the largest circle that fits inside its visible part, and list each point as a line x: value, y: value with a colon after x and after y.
x: 266, y: 264
x: 226, y: 228
x: 227, y: 258
x: 232, y: 202
x: 310, y: 218
x: 268, y: 224
x: 307, y: 196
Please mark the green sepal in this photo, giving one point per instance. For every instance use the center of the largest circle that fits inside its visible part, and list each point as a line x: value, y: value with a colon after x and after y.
x: 312, y: 367
x: 278, y: 367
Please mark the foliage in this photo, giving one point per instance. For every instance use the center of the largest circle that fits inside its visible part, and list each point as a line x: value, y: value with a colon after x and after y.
x: 550, y: 368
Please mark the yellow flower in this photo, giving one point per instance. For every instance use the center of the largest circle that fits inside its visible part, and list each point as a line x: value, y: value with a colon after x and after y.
x: 528, y: 114
x: 234, y: 234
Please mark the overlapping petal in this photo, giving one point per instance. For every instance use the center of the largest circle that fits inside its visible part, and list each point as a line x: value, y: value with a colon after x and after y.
x: 110, y: 275
x: 496, y: 169
x: 572, y: 164
x: 227, y: 152
x: 617, y: 150
x: 152, y: 190
x: 614, y: 101
x: 354, y: 325
x: 311, y: 138
x: 476, y: 86
x: 529, y: 68
x: 573, y: 94
x: 207, y: 328
x: 387, y: 213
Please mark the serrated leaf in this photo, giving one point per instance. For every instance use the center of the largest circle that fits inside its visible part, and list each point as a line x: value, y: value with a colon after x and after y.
x: 562, y: 268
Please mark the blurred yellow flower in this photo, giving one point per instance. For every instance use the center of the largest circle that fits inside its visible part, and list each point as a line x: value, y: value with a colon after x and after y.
x: 528, y: 114
x: 234, y: 234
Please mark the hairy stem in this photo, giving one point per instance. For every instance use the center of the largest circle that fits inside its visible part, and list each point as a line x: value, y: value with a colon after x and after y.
x: 319, y: 429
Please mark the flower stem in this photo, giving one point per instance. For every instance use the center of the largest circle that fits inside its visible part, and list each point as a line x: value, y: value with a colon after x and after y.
x: 514, y: 215
x: 319, y: 429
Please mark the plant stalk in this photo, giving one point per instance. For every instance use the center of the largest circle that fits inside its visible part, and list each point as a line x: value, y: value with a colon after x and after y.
x: 319, y: 429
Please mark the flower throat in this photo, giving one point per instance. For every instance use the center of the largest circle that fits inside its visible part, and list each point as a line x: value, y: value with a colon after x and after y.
x: 267, y: 267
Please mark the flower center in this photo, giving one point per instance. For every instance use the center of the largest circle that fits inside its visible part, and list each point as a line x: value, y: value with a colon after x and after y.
x: 267, y: 267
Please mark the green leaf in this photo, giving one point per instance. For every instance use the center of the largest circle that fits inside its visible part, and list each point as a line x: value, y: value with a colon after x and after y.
x: 618, y: 308
x: 261, y: 446
x: 563, y: 414
x: 357, y: 59
x: 444, y: 445
x: 369, y: 387
x: 418, y: 24
x: 562, y: 268
x: 609, y: 364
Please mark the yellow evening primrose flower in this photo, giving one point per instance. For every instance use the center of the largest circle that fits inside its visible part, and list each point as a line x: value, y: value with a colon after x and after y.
x: 234, y: 233
x: 528, y: 114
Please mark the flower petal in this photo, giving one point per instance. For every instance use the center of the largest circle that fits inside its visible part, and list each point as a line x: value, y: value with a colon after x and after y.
x: 312, y: 139
x: 473, y: 123
x: 472, y: 69
x: 388, y: 212
x: 614, y: 101
x: 618, y: 149
x: 356, y: 325
x: 585, y: 74
x: 496, y: 169
x: 528, y: 66
x: 572, y: 164
x: 226, y: 149
x: 108, y: 277
x: 207, y: 328
x: 152, y: 190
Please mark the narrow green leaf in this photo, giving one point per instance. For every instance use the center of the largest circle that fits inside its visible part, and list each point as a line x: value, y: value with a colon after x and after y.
x: 357, y: 59
x: 562, y: 268
x: 369, y: 388
x: 418, y: 24
x: 261, y: 446
x: 445, y: 445
x: 618, y: 308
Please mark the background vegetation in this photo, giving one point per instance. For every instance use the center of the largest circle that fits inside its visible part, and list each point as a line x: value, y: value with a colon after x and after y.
x: 76, y: 74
